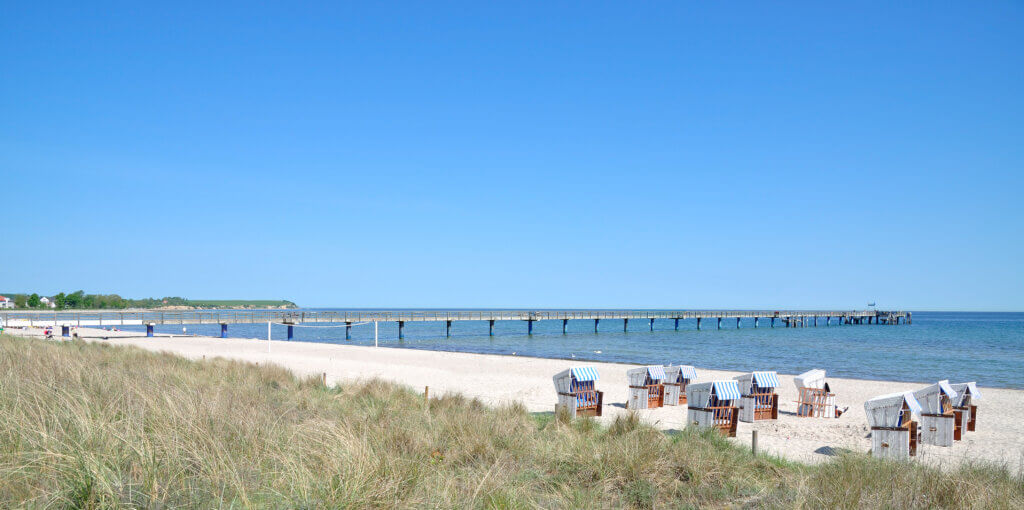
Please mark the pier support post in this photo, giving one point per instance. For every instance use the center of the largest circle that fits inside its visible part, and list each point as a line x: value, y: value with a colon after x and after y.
x: 737, y: 323
x: 677, y: 324
x: 719, y: 323
x: 490, y: 327
x: 223, y: 330
x: 597, y: 322
x: 529, y: 326
x: 652, y: 324
x: 625, y: 325
x: 447, y: 328
x: 773, y: 322
x: 65, y: 331
x: 815, y: 321
x: 291, y: 332
x: 348, y: 331
x: 755, y: 322
x: 149, y: 329
x: 565, y: 325
x: 401, y: 330
x: 909, y: 319
x: 828, y: 321
x: 698, y: 323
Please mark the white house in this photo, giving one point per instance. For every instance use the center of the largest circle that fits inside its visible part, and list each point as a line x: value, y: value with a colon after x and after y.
x: 47, y: 303
x: 6, y: 302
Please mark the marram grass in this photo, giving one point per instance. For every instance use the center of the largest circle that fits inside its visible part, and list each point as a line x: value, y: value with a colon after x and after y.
x: 94, y: 426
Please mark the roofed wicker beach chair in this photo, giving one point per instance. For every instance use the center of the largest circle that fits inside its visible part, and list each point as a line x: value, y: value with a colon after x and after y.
x: 646, y: 387
x: 676, y: 379
x: 814, y: 398
x: 893, y: 429
x: 759, y: 400
x: 712, y: 405
x: 577, y: 392
x: 938, y: 420
x: 965, y: 406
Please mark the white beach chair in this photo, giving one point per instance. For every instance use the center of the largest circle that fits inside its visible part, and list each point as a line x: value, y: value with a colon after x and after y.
x: 938, y: 420
x: 814, y: 397
x: 759, y: 400
x: 966, y: 407
x: 893, y: 429
x: 712, y: 405
x: 646, y: 387
x: 577, y: 392
x: 676, y: 379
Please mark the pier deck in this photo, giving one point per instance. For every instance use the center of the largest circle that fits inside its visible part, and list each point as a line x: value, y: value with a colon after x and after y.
x: 790, y: 318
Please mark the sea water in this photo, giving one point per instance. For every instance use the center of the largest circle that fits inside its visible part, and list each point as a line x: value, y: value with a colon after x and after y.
x: 959, y: 346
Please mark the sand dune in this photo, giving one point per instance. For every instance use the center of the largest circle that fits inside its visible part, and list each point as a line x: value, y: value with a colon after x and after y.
x: 496, y: 379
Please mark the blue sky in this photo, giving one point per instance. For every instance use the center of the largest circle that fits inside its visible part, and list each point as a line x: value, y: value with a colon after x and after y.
x: 477, y: 155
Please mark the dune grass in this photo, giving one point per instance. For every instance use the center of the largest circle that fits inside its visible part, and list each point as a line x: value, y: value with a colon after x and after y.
x: 93, y: 426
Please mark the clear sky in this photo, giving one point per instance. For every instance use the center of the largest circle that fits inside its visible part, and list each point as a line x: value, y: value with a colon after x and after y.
x: 662, y: 155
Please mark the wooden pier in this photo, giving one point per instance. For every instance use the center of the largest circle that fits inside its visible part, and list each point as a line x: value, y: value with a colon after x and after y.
x: 785, y: 318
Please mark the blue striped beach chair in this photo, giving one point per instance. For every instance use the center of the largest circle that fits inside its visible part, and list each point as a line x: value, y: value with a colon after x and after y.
x: 712, y: 405
x: 759, y: 400
x: 577, y: 391
x: 676, y: 379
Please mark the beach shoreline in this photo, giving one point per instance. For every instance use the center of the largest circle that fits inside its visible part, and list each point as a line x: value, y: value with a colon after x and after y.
x: 498, y: 379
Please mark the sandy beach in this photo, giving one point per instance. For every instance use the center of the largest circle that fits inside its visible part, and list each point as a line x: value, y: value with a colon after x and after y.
x: 499, y: 379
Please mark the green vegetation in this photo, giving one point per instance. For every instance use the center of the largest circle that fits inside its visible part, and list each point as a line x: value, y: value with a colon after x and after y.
x: 92, y: 426
x: 79, y: 300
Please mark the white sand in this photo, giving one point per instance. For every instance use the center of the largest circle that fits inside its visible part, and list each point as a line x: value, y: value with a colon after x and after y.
x: 496, y: 379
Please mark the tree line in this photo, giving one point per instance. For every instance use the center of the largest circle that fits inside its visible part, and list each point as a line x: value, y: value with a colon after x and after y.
x: 79, y: 300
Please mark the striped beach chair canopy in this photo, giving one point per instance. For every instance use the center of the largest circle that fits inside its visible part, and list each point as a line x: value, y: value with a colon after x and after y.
x: 656, y: 372
x: 766, y: 379
x: 885, y: 410
x: 688, y: 372
x: 585, y: 374
x: 726, y: 390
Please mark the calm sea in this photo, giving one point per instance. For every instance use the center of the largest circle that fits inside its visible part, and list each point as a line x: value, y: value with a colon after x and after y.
x: 960, y: 346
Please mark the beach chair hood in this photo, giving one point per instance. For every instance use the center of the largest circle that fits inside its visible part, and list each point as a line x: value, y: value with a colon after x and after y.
x: 766, y: 379
x: 675, y: 372
x: 699, y: 394
x: 563, y: 380
x: 967, y: 389
x: 884, y: 410
x: 637, y: 376
x: 585, y: 374
x: 814, y: 378
x: 930, y: 396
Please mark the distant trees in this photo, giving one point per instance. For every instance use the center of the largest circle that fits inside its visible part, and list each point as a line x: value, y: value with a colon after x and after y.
x: 79, y: 300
